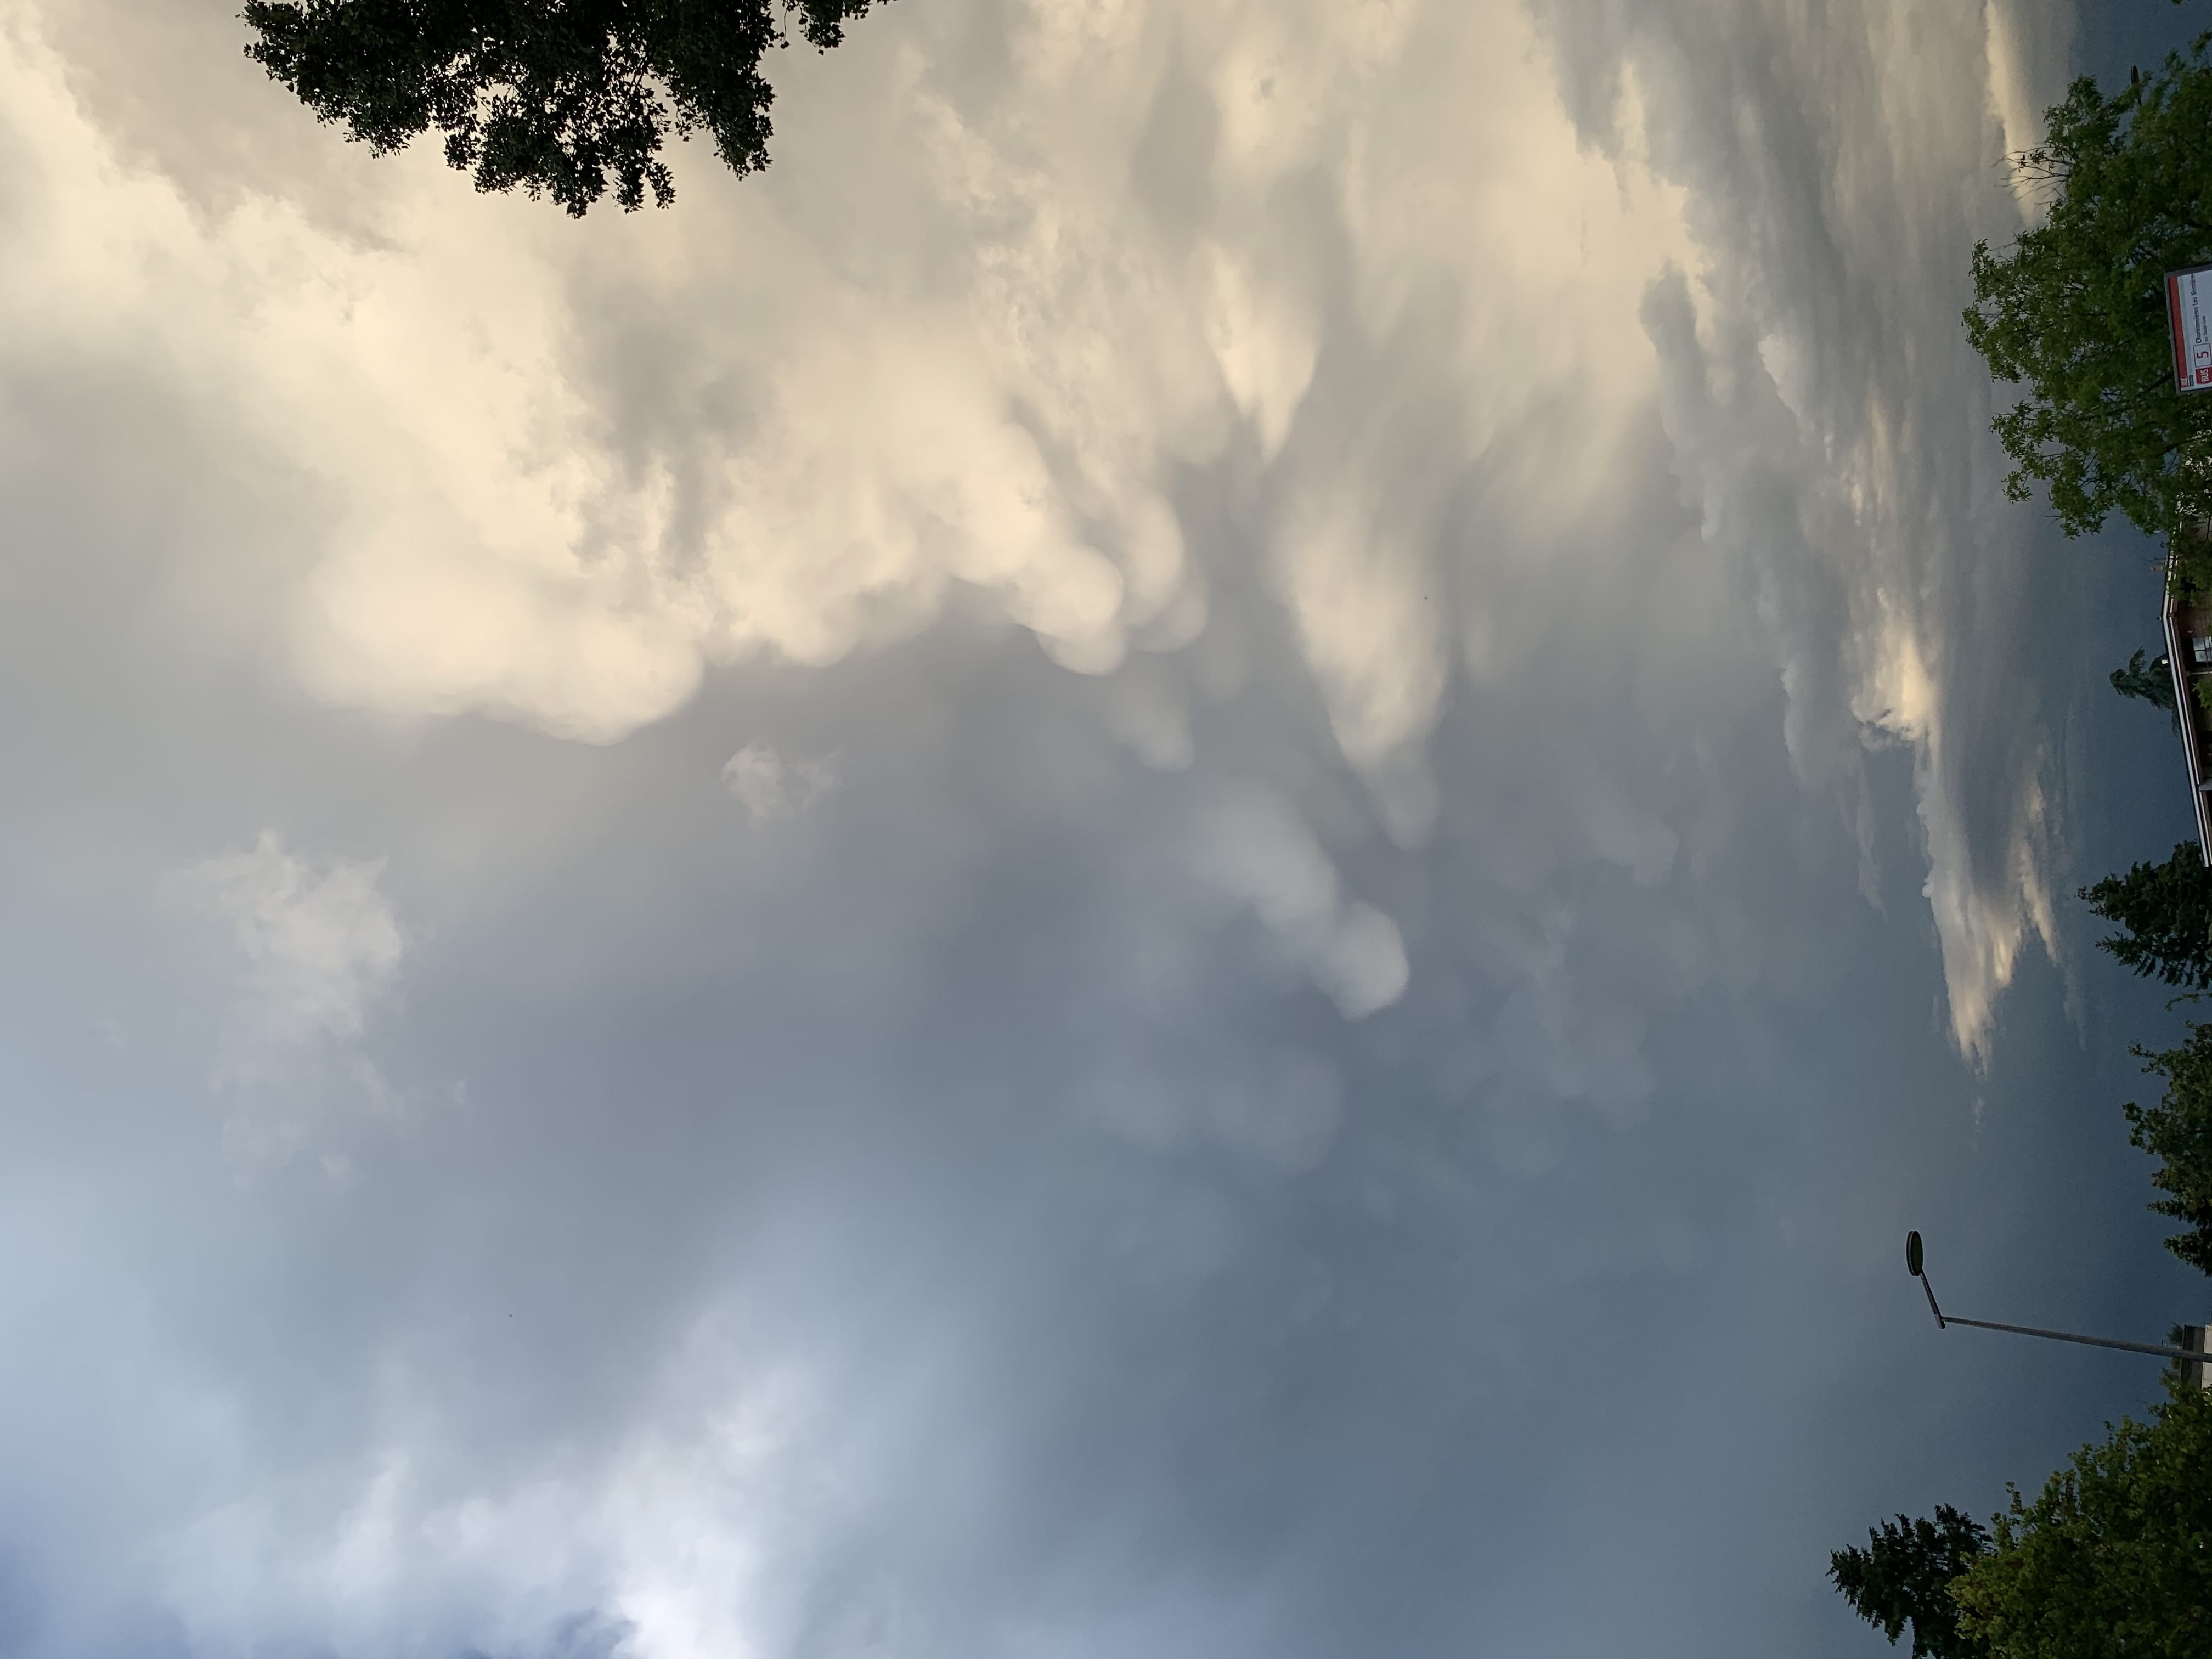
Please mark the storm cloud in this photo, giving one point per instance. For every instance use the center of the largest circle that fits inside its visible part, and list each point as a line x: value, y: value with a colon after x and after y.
x: 1191, y: 852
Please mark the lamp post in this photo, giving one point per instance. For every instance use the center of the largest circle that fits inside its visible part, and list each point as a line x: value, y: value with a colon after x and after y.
x: 2195, y: 1355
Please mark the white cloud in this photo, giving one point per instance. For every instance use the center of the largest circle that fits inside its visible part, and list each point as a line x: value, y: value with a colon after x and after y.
x: 2024, y: 66
x: 769, y: 787
x: 486, y: 549
x: 1265, y: 346
x: 313, y: 951
x: 1804, y: 430
x: 1363, y: 592
x: 669, y: 1535
x: 316, y: 947
x: 489, y: 549
x: 998, y: 393
x: 1365, y: 968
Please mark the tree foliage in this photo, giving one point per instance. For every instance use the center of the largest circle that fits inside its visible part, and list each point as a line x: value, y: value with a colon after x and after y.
x: 2151, y: 681
x: 2178, y: 1132
x: 2165, y: 915
x: 2114, y: 1557
x: 1903, y: 1576
x: 556, y: 96
x: 2076, y: 311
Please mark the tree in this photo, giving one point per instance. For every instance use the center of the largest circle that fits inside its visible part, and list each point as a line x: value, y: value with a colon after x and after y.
x: 1906, y: 1574
x: 2178, y: 1132
x: 2165, y: 911
x: 2115, y: 1557
x: 2076, y: 310
x: 2152, y: 681
x: 554, y: 95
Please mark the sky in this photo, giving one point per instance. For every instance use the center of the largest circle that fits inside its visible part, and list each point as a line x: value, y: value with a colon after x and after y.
x: 1193, y: 852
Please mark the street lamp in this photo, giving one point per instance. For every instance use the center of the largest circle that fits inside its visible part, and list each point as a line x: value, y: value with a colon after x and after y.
x: 2200, y: 1363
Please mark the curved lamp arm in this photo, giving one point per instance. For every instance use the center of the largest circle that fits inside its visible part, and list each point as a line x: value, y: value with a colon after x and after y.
x: 1914, y: 1264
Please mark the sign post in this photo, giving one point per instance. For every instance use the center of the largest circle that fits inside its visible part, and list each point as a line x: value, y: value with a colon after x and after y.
x: 2189, y: 314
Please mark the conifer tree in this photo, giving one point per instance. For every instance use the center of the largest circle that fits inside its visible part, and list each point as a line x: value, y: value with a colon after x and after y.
x: 1903, y: 1576
x: 2165, y: 915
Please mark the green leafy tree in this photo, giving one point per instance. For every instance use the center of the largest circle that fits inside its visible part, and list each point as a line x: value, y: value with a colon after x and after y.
x: 2165, y: 915
x: 2178, y: 1132
x: 557, y: 96
x: 2153, y: 682
x: 1905, y: 1574
x: 2115, y: 1557
x: 2076, y: 310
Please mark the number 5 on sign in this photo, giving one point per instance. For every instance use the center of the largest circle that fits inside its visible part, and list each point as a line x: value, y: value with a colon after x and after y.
x: 2189, y: 310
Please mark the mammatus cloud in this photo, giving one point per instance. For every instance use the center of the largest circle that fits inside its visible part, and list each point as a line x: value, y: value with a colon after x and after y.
x: 1256, y: 847
x: 487, y: 547
x: 835, y: 452
x: 1497, y: 480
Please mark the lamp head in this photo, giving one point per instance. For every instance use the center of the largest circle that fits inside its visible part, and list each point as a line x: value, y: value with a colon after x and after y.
x: 1912, y: 1257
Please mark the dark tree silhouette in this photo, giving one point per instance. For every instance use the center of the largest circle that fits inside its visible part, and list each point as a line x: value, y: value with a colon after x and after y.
x: 2178, y: 1132
x: 556, y: 96
x: 2165, y: 913
x: 1905, y: 1574
x: 2153, y: 682
x: 2109, y: 1559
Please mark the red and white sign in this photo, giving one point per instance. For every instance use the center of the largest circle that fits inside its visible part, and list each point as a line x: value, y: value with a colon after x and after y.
x: 2189, y: 309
